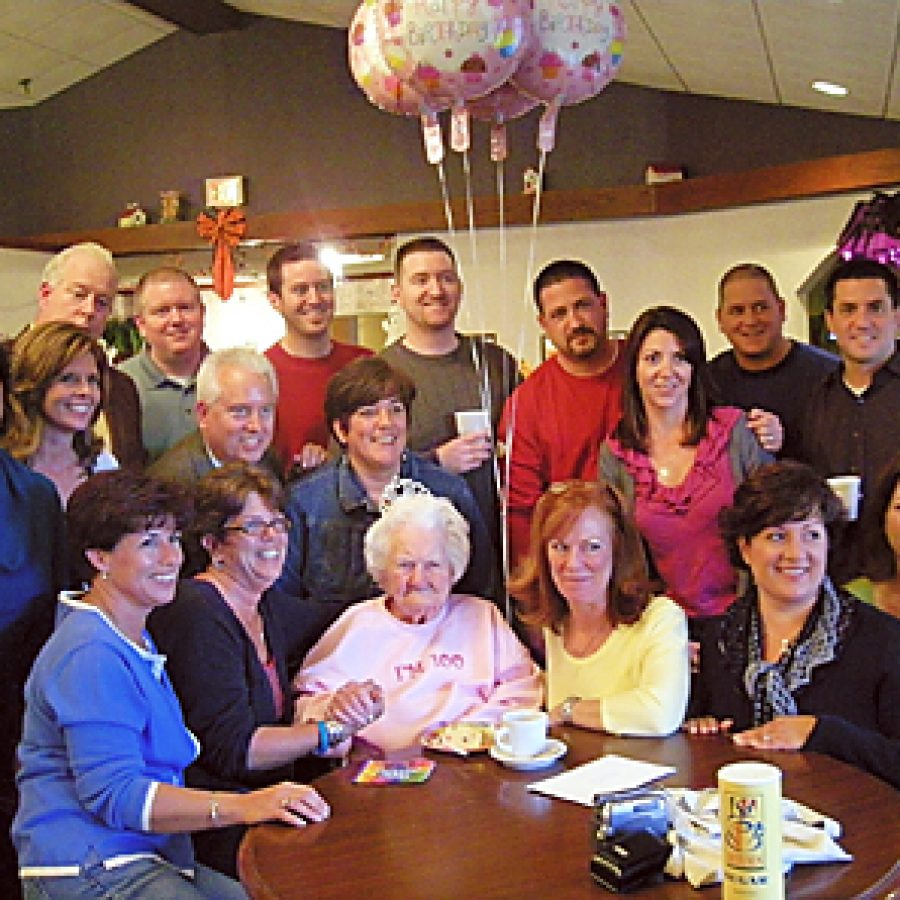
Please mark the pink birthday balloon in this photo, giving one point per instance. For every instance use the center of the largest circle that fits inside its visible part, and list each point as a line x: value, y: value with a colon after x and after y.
x: 453, y: 50
x: 371, y: 72
x: 576, y: 50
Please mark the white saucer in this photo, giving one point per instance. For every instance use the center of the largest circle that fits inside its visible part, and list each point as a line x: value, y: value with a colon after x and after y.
x: 553, y: 750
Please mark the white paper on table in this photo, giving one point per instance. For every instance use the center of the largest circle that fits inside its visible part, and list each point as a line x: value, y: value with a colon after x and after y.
x: 601, y: 776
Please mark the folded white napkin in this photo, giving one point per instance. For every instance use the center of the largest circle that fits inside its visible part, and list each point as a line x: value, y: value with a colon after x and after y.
x: 696, y: 836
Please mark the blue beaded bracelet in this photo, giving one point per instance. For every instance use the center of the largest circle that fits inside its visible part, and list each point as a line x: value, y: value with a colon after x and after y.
x: 324, y: 743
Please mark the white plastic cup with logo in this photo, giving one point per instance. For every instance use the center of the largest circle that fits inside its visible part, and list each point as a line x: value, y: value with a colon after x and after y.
x: 472, y: 421
x: 523, y: 732
x: 847, y: 487
x: 750, y: 815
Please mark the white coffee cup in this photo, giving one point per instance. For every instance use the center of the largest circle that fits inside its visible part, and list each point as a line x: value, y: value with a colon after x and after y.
x: 847, y: 487
x: 523, y: 732
x: 472, y: 421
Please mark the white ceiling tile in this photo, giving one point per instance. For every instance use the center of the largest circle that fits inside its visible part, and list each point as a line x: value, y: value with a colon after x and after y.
x: 642, y: 60
x: 140, y: 15
x: 893, y: 101
x: 59, y: 77
x: 715, y: 47
x: 336, y: 13
x: 340, y: 11
x: 84, y: 28
x: 11, y: 101
x: 28, y: 17
x: 710, y: 47
x: 120, y: 44
x: 853, y: 45
x: 21, y: 59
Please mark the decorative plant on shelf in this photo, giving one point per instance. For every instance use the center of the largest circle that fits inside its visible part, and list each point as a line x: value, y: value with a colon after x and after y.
x: 123, y: 338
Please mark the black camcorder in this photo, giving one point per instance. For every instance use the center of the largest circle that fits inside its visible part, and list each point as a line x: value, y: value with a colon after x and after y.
x: 630, y: 846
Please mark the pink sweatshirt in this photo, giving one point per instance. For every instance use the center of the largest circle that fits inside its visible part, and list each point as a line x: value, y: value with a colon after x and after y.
x: 466, y: 664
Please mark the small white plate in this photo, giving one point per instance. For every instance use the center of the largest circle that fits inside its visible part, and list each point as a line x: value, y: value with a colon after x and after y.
x: 553, y: 750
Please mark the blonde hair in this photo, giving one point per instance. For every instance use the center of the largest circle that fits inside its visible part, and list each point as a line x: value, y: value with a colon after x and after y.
x: 38, y: 356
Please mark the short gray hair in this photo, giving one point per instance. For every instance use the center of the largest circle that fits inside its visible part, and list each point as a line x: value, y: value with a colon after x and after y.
x: 209, y: 388
x: 53, y: 271
x: 423, y: 511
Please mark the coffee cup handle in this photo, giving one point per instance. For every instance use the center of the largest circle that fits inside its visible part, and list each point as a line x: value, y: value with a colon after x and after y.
x: 501, y: 741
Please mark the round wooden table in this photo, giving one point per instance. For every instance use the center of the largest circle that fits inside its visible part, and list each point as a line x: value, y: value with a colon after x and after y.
x: 475, y: 831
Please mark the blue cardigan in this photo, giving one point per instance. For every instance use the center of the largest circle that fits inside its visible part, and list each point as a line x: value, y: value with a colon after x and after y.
x: 330, y: 514
x: 102, y: 728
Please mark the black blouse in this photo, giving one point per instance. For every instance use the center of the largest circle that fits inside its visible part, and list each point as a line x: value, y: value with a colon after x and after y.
x: 855, y: 697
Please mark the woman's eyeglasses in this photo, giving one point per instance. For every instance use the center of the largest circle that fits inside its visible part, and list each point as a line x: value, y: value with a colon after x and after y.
x: 258, y: 527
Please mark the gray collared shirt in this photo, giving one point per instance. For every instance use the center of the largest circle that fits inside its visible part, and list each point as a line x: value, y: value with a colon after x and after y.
x: 167, y: 404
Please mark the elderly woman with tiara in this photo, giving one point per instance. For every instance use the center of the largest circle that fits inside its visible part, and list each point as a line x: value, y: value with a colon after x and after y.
x: 436, y: 657
x: 367, y: 407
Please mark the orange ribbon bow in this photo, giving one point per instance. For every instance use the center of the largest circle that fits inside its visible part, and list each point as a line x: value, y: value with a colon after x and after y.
x: 224, y: 233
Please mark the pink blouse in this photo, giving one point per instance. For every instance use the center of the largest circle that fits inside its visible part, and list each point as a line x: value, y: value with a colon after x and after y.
x: 680, y: 523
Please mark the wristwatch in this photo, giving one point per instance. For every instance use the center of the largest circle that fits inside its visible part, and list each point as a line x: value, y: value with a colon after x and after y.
x: 331, y: 734
x: 567, y: 709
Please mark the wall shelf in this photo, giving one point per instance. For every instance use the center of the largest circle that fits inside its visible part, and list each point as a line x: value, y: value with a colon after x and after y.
x: 835, y: 174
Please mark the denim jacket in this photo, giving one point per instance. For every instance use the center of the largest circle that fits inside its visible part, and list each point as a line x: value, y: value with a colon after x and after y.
x: 330, y: 513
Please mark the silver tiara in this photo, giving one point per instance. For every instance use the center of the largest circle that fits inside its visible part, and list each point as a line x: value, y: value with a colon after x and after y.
x: 398, y: 488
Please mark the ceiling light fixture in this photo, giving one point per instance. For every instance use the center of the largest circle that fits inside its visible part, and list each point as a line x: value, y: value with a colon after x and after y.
x: 336, y: 260
x: 830, y: 88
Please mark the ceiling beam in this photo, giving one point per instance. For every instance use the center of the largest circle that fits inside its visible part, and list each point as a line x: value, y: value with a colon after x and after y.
x: 197, y: 16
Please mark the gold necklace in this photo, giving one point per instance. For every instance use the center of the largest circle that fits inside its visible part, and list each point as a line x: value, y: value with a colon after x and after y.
x: 594, y: 641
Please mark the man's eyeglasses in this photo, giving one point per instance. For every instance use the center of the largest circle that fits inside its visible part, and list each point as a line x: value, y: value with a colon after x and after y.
x: 256, y: 528
x: 79, y: 294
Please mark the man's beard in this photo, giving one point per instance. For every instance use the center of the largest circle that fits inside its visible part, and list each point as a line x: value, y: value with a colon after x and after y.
x: 585, y: 349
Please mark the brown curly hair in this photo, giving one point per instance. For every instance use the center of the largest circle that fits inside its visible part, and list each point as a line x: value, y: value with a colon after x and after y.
x: 774, y: 494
